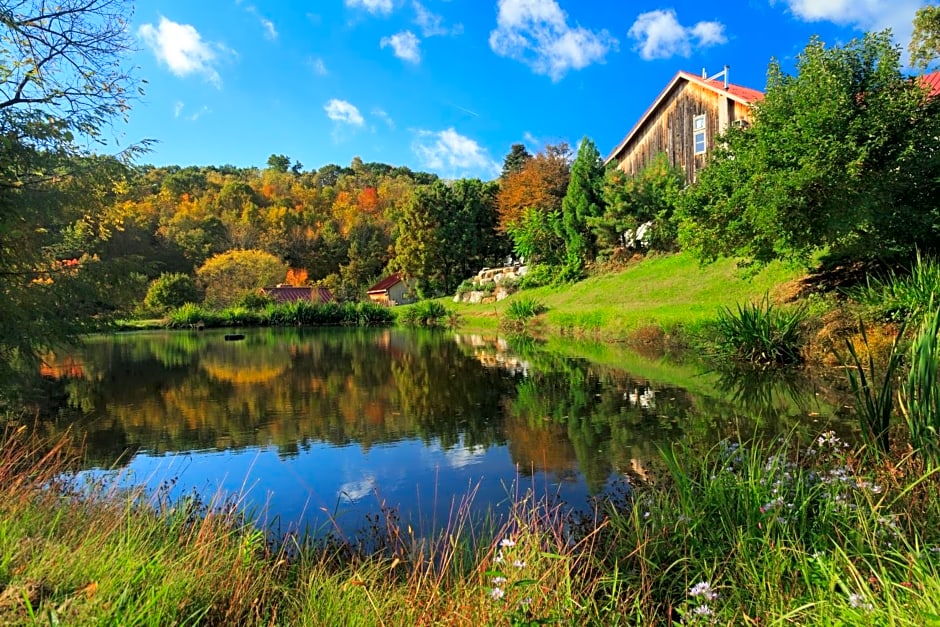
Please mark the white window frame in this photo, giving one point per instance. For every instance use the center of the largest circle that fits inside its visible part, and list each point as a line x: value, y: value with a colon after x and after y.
x: 700, y: 134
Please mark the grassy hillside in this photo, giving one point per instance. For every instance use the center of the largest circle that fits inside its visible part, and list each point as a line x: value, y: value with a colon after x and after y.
x: 662, y: 290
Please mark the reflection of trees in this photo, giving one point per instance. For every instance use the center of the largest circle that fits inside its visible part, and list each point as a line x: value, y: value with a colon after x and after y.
x: 290, y: 388
x: 185, y: 391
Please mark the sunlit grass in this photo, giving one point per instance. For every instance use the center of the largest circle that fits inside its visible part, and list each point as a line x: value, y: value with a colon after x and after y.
x: 663, y: 290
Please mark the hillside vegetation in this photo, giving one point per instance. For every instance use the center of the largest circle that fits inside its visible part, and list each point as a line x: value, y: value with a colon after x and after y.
x: 662, y: 291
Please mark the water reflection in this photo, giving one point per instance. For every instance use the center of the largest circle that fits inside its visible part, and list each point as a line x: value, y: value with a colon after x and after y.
x: 320, y: 424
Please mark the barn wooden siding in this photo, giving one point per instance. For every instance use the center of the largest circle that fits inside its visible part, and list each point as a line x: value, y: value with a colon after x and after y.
x: 669, y: 129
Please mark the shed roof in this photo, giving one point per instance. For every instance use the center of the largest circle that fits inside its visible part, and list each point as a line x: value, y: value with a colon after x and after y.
x: 290, y: 294
x: 744, y: 95
x: 932, y: 83
x: 385, y: 284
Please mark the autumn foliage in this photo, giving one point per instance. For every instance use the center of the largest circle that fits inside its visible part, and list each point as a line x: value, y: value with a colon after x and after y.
x: 296, y: 277
x: 541, y: 184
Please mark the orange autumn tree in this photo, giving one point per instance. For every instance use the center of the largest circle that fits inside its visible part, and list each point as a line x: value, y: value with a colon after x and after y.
x: 296, y: 277
x: 540, y: 184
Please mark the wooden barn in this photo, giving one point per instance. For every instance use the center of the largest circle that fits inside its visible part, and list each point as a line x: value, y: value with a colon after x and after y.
x: 683, y: 121
x: 290, y: 294
x: 392, y: 290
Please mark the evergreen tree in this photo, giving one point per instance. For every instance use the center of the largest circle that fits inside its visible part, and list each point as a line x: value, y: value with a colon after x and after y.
x: 582, y: 201
x: 515, y: 160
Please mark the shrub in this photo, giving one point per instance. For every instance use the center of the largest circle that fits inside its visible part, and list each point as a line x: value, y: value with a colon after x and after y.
x: 171, y: 290
x: 758, y: 333
x: 254, y: 301
x: 537, y: 275
x: 428, y: 313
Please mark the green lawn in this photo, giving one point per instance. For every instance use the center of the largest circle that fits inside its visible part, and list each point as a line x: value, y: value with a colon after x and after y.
x: 662, y: 290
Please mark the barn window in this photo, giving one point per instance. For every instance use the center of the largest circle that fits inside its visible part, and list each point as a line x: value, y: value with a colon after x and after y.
x: 698, y: 130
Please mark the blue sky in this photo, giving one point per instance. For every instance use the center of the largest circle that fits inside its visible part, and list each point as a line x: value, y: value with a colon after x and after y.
x: 444, y: 85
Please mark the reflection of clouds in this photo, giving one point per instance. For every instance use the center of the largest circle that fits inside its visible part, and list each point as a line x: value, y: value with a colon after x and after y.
x: 462, y: 456
x: 353, y: 491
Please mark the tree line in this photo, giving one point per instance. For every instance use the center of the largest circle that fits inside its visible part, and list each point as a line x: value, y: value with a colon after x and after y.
x: 841, y: 158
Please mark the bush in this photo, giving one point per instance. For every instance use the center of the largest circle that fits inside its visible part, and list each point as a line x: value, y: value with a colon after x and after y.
x: 171, y: 290
x: 255, y: 301
x: 758, y: 333
x: 537, y: 275
x: 428, y: 313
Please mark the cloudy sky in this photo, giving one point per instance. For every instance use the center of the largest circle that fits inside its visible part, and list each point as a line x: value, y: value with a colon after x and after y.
x: 445, y: 85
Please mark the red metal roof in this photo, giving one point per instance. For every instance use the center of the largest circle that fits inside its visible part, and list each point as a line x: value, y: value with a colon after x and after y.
x: 744, y: 95
x: 932, y: 83
x: 289, y: 294
x: 384, y: 284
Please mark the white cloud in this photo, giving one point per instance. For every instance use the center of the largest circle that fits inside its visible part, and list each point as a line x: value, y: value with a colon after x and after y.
x: 385, y: 117
x: 659, y: 35
x: 182, y: 48
x: 375, y: 7
x: 897, y: 15
x: 269, y: 31
x: 531, y: 139
x: 453, y: 155
x: 537, y: 33
x: 345, y: 112
x: 198, y: 114
x: 405, y: 45
x: 319, y: 66
x: 178, y: 108
x: 432, y: 24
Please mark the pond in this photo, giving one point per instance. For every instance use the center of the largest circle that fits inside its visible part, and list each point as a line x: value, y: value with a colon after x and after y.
x: 315, y: 429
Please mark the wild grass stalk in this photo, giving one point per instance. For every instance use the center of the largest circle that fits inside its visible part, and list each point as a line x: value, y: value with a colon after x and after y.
x: 874, y: 391
x: 520, y: 315
x: 920, y: 392
x: 428, y: 314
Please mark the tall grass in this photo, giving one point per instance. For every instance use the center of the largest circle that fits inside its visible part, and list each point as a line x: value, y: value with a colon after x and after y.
x: 758, y: 333
x: 874, y: 388
x: 298, y: 313
x: 428, y: 314
x: 740, y: 533
x: 520, y: 315
x: 920, y: 392
x: 899, y: 296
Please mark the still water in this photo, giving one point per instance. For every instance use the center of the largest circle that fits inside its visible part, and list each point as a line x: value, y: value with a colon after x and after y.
x: 317, y: 428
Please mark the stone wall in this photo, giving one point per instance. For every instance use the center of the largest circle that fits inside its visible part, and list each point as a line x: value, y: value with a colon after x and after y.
x: 488, y: 281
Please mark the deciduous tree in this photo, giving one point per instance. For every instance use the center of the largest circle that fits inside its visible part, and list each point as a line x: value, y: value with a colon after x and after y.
x: 841, y: 156
x: 63, y: 73
x: 227, y: 277
x: 541, y: 183
x: 925, y: 42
